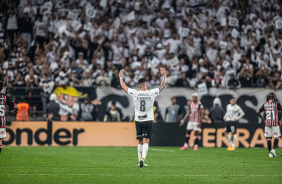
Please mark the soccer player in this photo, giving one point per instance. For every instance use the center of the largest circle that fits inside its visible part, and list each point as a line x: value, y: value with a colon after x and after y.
x: 231, y: 117
x: 144, y: 115
x: 4, y: 101
x: 270, y: 118
x: 196, y: 113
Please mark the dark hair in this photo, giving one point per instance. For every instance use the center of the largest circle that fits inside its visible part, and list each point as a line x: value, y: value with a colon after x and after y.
x: 271, y: 96
x: 232, y: 98
x: 141, y: 81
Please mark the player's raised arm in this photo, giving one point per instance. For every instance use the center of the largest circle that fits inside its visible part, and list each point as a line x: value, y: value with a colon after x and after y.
x: 162, y: 85
x: 122, y: 84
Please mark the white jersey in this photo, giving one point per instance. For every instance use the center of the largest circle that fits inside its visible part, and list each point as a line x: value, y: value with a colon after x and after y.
x: 233, y: 112
x: 144, y: 102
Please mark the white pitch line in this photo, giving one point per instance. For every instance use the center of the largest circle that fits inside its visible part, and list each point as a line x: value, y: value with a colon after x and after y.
x: 154, y: 149
x: 156, y: 175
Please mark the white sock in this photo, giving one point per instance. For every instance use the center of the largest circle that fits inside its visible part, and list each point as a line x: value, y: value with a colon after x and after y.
x: 229, y: 139
x: 186, y: 144
x: 234, y: 141
x: 139, y: 150
x: 145, y: 150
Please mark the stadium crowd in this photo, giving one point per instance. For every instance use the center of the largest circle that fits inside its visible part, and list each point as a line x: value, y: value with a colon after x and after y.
x: 222, y: 43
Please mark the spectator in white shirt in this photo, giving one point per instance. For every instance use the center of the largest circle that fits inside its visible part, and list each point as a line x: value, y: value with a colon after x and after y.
x: 61, y: 80
x: 103, y: 79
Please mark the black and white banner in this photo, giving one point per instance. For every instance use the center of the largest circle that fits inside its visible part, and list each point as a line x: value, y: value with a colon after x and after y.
x: 249, y: 100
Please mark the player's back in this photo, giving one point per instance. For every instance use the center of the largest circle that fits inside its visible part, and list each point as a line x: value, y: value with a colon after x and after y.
x: 4, y: 101
x: 143, y: 102
x: 271, y: 109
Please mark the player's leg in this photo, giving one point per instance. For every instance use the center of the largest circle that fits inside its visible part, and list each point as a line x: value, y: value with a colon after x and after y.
x: 268, y: 136
x: 146, y: 134
x: 196, y: 140
x: 233, y: 129
x: 227, y: 135
x: 2, y: 136
x: 189, y: 129
x: 140, y: 140
x: 140, y: 149
x: 144, y: 151
x: 197, y: 129
x: 0, y: 145
x: 276, y: 135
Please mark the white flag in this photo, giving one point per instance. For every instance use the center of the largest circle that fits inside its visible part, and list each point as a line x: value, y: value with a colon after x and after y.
x: 103, y: 3
x: 278, y: 24
x: 223, y: 22
x: 60, y: 23
x: 202, y: 88
x: 184, y: 32
x: 131, y: 16
x: 173, y: 62
x: 260, y: 24
x: 222, y: 44
x: 154, y: 62
x: 234, y: 33
x: 76, y: 25
x: 90, y: 13
x: 72, y: 15
x: 87, y: 26
x: 233, y: 22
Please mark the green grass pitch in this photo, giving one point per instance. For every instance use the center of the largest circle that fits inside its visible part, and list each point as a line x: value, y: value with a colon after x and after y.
x: 119, y: 165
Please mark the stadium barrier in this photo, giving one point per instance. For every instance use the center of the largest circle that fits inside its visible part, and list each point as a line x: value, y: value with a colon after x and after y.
x: 123, y: 134
x: 249, y: 99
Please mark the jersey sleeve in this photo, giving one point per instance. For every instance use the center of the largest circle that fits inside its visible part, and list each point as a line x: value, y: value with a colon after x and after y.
x: 131, y: 92
x: 279, y: 106
x: 10, y: 102
x: 201, y: 107
x: 261, y: 109
x: 155, y: 92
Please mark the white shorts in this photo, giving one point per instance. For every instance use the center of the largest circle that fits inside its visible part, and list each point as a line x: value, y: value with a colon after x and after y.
x: 2, y: 133
x: 272, y: 131
x: 193, y: 126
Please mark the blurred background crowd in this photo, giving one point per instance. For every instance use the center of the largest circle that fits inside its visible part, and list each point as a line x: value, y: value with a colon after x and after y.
x: 230, y: 44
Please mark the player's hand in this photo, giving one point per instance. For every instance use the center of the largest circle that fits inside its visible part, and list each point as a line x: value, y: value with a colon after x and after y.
x: 15, y: 108
x: 50, y: 116
x: 224, y: 119
x: 181, y: 122
x: 280, y: 123
x: 121, y: 72
x: 199, y: 124
x: 235, y: 120
x: 163, y: 71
